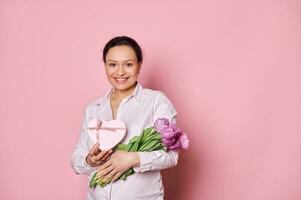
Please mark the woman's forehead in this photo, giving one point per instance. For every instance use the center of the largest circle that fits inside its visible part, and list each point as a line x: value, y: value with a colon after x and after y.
x: 121, y: 53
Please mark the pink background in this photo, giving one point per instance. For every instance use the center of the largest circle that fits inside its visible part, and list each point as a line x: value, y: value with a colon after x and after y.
x: 230, y: 68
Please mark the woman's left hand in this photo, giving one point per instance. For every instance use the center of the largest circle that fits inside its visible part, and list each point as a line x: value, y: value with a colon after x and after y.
x: 119, y: 162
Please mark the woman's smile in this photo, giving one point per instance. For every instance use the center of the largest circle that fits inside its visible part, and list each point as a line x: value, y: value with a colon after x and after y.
x: 121, y: 79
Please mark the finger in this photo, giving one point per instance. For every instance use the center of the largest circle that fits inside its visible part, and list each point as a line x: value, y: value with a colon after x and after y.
x: 104, y: 166
x: 93, y: 149
x: 96, y: 161
x: 97, y: 151
x: 105, y: 171
x: 99, y: 162
x: 100, y: 155
x: 109, y: 175
x: 107, y: 155
x: 102, y: 160
x: 116, y: 176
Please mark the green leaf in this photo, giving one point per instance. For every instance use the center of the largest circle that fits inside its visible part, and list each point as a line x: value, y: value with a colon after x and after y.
x: 127, y: 173
x: 149, y: 145
x: 93, y: 181
x: 134, y: 139
x: 153, y: 136
x: 147, y: 132
x: 122, y: 147
x: 134, y: 147
x: 123, y: 176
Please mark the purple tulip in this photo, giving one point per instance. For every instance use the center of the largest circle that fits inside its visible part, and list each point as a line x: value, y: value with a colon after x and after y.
x: 176, y: 146
x: 184, y: 141
x: 171, y: 135
x: 169, y: 143
x: 160, y: 124
x: 180, y: 142
x: 170, y: 132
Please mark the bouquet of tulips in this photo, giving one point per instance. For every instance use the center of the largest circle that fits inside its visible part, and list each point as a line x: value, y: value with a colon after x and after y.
x: 164, y: 135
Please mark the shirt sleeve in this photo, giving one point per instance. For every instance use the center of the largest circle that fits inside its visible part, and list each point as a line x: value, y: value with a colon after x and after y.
x: 81, y: 149
x: 158, y: 160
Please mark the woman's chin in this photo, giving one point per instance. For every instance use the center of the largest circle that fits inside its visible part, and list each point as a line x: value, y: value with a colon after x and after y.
x: 122, y: 86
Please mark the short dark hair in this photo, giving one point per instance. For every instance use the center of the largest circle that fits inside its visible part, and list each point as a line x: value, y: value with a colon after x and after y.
x: 123, y: 40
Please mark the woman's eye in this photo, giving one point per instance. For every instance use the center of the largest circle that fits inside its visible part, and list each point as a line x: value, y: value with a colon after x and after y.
x: 129, y: 64
x: 112, y: 64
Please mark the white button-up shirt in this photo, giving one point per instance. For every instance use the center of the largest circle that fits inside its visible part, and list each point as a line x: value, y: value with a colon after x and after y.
x: 138, y: 111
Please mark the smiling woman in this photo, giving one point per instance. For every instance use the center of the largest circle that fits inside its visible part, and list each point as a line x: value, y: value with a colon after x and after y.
x: 123, y: 58
x: 138, y: 108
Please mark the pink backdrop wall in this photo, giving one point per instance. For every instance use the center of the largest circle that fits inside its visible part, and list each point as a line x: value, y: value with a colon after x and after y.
x: 230, y: 68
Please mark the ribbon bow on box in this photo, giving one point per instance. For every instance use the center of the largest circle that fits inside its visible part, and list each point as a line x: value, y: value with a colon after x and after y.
x: 107, y: 133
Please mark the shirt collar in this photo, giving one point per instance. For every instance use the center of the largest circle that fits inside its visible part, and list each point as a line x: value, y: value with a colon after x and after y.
x: 136, y: 93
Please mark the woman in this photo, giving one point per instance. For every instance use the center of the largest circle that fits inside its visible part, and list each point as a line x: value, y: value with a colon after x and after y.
x: 138, y: 108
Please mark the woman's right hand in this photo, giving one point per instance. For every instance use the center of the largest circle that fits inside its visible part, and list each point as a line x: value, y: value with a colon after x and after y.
x: 96, y: 157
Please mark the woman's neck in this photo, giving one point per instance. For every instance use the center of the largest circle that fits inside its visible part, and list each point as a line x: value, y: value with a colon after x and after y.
x: 120, y: 94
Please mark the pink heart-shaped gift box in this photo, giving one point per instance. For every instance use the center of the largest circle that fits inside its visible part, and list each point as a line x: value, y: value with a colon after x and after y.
x: 107, y: 133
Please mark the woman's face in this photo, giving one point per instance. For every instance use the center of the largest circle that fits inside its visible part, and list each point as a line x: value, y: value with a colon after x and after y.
x: 122, y: 67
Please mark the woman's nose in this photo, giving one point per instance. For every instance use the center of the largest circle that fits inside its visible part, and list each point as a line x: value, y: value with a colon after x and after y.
x: 120, y: 70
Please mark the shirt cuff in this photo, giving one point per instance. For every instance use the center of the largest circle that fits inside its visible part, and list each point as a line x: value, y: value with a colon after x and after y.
x: 145, y: 162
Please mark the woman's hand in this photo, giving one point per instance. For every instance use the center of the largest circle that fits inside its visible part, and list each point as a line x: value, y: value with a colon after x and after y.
x: 96, y: 157
x: 119, y: 162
